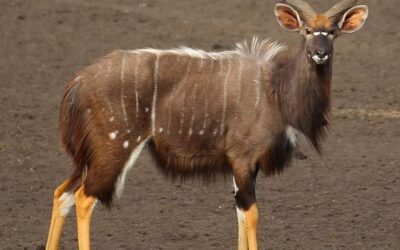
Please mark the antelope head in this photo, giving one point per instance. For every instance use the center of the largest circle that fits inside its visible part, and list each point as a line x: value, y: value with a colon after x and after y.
x: 320, y: 30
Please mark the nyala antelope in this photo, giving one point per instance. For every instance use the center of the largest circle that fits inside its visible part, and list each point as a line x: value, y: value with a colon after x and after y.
x: 201, y: 114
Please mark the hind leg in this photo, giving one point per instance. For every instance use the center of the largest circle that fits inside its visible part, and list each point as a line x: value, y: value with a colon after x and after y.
x: 62, y: 203
x: 84, y: 206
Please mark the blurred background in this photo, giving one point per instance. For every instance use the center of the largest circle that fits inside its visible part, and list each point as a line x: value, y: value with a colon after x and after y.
x: 346, y: 199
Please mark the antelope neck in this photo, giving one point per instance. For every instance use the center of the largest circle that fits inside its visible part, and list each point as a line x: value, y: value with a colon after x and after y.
x: 303, y: 90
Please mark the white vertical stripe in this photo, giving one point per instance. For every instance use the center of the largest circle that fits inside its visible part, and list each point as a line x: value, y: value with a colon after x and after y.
x: 257, y: 85
x: 201, y: 64
x: 183, y: 107
x: 131, y: 161
x: 98, y: 70
x: 154, y: 102
x: 240, y: 80
x: 205, y: 116
x: 108, y: 69
x: 221, y: 64
x: 193, y: 111
x: 122, y: 89
x: 224, y: 107
x: 136, y: 72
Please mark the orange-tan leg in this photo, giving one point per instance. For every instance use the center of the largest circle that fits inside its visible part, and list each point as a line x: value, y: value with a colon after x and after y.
x: 57, y: 217
x: 242, y: 232
x: 84, y: 206
x: 251, y: 221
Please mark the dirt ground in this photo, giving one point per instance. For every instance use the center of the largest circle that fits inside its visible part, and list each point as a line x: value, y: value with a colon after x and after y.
x: 347, y: 199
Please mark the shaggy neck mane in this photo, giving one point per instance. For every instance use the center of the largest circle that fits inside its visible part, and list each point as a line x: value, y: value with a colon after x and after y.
x: 303, y: 93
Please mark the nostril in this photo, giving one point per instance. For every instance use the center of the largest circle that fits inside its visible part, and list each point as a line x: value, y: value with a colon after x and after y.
x: 322, y: 53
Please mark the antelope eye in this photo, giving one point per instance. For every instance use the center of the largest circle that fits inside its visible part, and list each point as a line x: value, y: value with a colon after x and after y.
x: 308, y: 31
x: 332, y: 32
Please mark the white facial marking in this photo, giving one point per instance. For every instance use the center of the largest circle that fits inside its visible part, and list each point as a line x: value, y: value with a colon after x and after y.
x: 131, y: 161
x: 67, y: 201
x: 113, y: 135
x: 154, y: 102
x: 317, y: 33
x: 138, y: 139
x: 319, y: 60
x: 324, y: 33
x: 291, y: 134
x: 125, y: 144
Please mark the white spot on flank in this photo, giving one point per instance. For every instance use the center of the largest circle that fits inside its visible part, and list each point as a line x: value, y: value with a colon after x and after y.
x: 125, y: 144
x: 113, y: 135
x: 128, y: 131
x: 146, y: 110
x: 224, y: 105
x: 111, y: 119
x: 131, y: 161
x: 67, y: 201
x: 215, y: 132
x: 201, y: 132
x: 160, y: 130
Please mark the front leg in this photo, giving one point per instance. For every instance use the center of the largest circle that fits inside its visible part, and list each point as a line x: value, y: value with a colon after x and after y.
x: 247, y: 211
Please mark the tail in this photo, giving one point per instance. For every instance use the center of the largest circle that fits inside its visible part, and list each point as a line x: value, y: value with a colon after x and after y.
x: 74, y: 133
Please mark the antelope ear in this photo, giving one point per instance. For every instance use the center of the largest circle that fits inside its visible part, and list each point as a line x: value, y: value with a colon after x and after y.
x: 288, y: 17
x: 353, y: 19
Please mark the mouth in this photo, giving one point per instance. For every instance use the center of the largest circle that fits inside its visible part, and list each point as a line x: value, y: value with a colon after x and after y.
x: 318, y: 60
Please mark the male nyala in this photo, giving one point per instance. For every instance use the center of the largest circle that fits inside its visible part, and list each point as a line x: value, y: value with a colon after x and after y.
x: 202, y: 114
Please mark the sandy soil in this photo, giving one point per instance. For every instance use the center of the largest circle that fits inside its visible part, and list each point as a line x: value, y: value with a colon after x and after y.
x: 348, y: 199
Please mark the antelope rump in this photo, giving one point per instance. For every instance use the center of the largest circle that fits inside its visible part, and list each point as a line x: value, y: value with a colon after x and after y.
x: 202, y: 114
